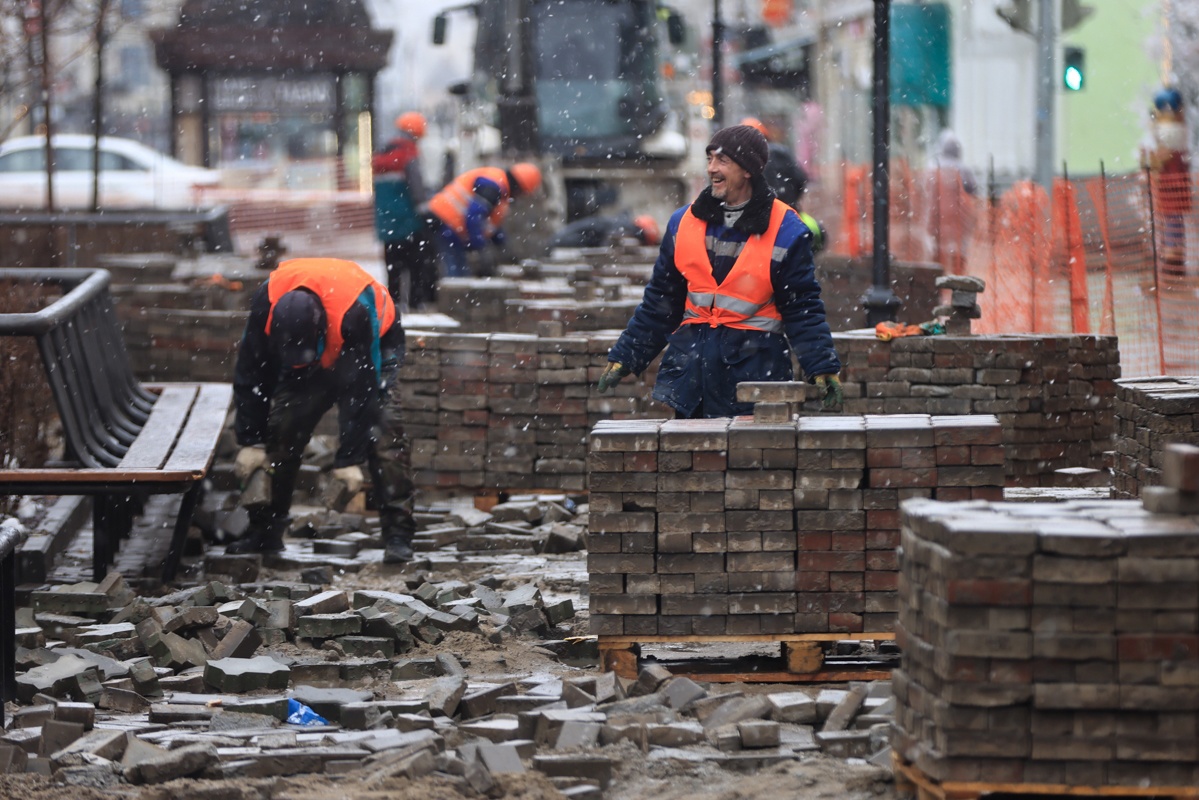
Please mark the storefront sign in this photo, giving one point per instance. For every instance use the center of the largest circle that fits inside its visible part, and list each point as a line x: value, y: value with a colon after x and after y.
x: 273, y: 93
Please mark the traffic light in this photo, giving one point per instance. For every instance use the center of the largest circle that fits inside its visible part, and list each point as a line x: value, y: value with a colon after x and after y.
x: 1074, y: 68
x: 1074, y: 14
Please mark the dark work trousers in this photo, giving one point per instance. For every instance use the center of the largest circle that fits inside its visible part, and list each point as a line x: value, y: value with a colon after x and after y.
x: 372, y: 424
x: 415, y: 255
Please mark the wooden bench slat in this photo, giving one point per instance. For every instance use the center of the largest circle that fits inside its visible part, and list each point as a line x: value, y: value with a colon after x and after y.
x: 89, y: 476
x: 197, y: 443
x: 159, y: 434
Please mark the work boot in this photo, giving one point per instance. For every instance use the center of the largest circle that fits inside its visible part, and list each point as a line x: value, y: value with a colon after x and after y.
x: 398, y: 549
x: 266, y: 538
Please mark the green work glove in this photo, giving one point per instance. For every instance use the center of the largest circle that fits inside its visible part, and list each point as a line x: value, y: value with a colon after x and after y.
x: 830, y: 385
x: 613, y: 374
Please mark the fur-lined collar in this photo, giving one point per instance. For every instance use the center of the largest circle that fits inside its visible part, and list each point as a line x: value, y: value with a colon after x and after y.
x: 755, y: 218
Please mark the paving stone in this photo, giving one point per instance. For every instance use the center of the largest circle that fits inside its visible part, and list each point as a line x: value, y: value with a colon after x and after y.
x: 328, y: 602
x: 681, y: 692
x: 649, y: 679
x: 106, y: 744
x: 497, y: 729
x: 575, y: 733
x: 414, y: 669
x: 83, y: 713
x: 188, y: 619
x: 445, y: 694
x: 56, y: 735
x: 246, y: 674
x: 792, y: 707
x: 500, y: 759
x: 840, y: 717
x: 179, y: 763
x: 367, y: 645
x: 13, y: 759
x: 241, y: 641
x: 588, y: 767
x: 758, y: 733
x: 845, y: 744
x: 738, y: 709
x: 56, y: 679
x: 480, y: 700
x: 328, y: 626
x: 674, y: 734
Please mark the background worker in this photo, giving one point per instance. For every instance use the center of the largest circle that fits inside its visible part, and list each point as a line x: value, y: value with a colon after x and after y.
x: 783, y: 174
x: 788, y: 180
x: 733, y: 292
x: 321, y: 332
x: 604, y: 230
x: 469, y: 213
x: 399, y: 223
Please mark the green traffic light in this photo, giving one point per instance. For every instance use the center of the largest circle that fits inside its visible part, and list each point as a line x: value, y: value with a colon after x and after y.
x: 1074, y: 73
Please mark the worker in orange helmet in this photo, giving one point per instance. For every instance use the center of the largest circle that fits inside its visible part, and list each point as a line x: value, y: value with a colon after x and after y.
x: 469, y: 213
x: 322, y: 332
x: 399, y: 224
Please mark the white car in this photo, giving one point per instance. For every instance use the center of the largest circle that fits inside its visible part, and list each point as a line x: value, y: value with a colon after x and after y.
x: 131, y: 174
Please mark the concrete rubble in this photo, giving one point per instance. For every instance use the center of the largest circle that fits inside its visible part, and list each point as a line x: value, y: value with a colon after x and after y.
x: 200, y: 682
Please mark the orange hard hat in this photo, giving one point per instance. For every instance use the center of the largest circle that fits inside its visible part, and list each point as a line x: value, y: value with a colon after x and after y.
x: 649, y: 229
x: 527, y: 176
x: 757, y: 125
x: 412, y: 123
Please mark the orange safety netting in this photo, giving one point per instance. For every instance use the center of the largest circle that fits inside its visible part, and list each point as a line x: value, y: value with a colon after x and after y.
x: 1104, y: 255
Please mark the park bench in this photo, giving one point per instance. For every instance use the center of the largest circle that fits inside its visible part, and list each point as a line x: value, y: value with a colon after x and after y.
x: 123, y: 439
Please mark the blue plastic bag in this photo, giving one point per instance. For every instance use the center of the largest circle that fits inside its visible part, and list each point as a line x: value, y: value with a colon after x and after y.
x: 300, y: 714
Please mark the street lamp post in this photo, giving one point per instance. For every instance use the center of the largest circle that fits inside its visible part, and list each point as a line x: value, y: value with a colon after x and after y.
x: 880, y: 302
x: 717, y: 66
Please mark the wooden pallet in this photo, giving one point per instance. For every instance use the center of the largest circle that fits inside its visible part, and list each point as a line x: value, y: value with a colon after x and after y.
x: 803, y: 658
x: 911, y: 782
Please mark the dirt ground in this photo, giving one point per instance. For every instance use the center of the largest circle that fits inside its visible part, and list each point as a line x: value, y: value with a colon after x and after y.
x: 638, y: 775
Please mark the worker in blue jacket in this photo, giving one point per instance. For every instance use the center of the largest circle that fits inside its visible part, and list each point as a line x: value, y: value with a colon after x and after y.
x: 733, y: 293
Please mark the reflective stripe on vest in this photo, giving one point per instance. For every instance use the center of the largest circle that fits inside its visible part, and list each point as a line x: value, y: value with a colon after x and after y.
x: 338, y: 284
x: 745, y: 298
x: 450, y: 204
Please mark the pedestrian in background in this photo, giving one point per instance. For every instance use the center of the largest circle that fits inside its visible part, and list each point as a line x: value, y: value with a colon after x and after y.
x: 469, y: 213
x: 399, y: 223
x: 733, y: 293
x: 322, y: 332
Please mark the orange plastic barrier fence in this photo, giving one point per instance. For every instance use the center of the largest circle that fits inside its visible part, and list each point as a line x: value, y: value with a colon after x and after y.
x: 1116, y: 254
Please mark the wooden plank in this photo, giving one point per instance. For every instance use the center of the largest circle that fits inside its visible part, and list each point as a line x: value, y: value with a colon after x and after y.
x: 680, y: 669
x: 91, y: 477
x: 749, y: 638
x: 803, y: 656
x: 158, y: 435
x: 908, y: 774
x: 197, y: 443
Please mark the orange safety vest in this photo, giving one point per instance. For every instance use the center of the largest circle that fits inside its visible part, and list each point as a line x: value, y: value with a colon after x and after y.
x: 450, y: 204
x: 745, y: 298
x: 338, y: 284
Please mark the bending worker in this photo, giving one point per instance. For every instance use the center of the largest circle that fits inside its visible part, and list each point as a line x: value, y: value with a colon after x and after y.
x: 469, y: 213
x: 321, y: 332
x: 399, y: 224
x: 733, y: 292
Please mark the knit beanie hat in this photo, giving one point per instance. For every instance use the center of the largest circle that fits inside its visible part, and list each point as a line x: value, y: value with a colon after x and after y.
x: 745, y: 145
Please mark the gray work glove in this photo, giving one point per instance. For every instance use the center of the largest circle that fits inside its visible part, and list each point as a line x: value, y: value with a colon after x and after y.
x: 249, y: 460
x: 351, y: 476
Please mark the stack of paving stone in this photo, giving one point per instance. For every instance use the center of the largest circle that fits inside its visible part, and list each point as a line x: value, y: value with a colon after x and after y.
x: 1049, y: 644
x: 1053, y: 395
x: 1150, y: 413
x: 703, y: 527
x: 508, y: 411
x: 963, y: 302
